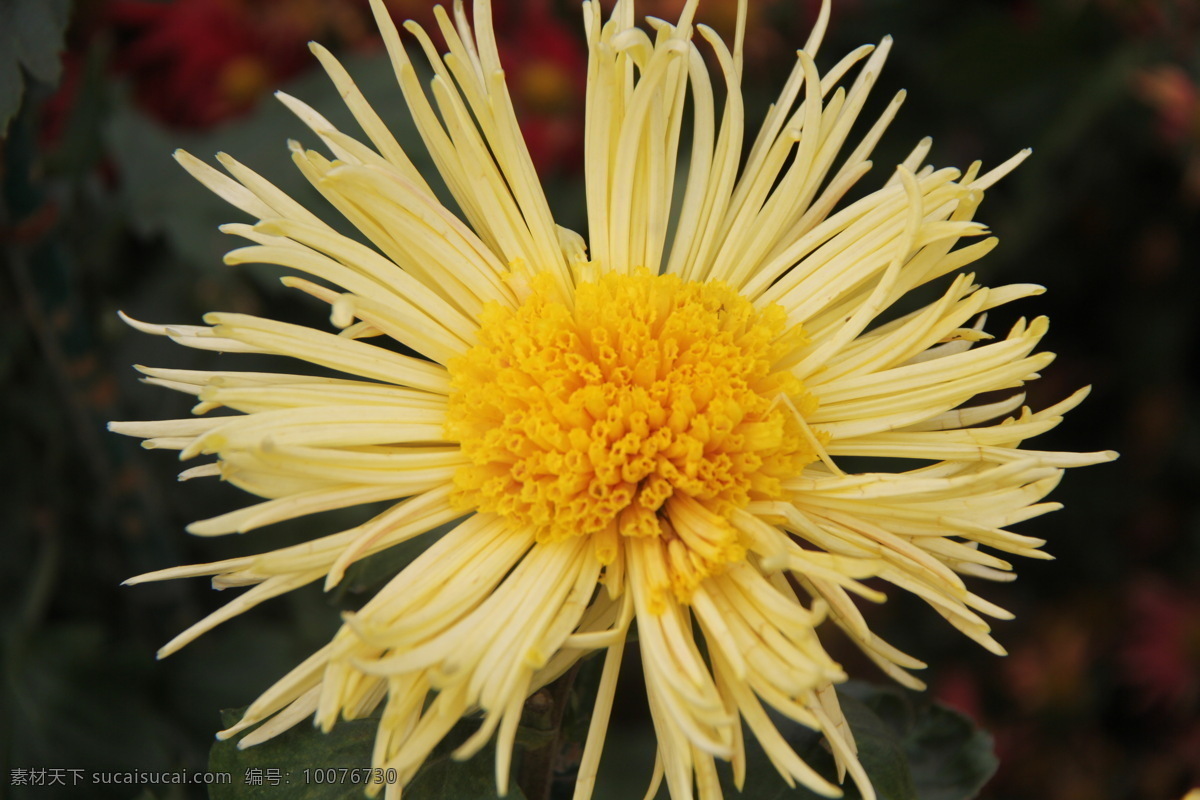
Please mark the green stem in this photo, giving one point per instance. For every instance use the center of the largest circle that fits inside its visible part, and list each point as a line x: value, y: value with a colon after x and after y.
x: 543, y: 713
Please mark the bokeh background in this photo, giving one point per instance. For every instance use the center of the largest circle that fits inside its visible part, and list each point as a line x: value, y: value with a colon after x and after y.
x: 1100, y: 695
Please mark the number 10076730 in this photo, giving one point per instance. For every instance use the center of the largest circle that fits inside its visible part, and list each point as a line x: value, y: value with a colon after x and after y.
x: 349, y: 775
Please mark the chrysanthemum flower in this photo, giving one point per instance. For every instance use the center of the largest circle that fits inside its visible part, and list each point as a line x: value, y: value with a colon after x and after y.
x: 650, y: 428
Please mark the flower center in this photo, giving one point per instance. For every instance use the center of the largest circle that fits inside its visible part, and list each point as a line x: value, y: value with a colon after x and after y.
x: 589, y: 420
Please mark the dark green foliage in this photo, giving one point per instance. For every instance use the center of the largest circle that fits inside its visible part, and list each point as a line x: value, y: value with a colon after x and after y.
x: 31, y: 39
x: 307, y: 764
x: 912, y: 749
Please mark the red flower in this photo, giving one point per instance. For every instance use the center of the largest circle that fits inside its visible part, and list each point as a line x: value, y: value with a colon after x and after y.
x: 1174, y: 95
x: 1161, y: 657
x: 546, y: 67
x: 196, y: 62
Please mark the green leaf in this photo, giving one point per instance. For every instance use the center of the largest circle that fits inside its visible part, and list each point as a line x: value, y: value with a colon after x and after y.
x: 948, y: 757
x: 31, y: 37
x: 443, y: 778
x: 306, y: 764
x: 881, y: 751
x: 295, y: 764
x: 910, y: 747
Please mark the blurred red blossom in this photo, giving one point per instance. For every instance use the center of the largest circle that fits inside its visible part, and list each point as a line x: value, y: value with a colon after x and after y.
x: 1174, y: 95
x: 545, y: 65
x: 958, y: 688
x: 1049, y: 668
x: 196, y: 62
x: 1161, y: 655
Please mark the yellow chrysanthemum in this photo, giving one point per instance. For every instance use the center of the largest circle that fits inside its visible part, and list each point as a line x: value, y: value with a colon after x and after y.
x: 643, y: 429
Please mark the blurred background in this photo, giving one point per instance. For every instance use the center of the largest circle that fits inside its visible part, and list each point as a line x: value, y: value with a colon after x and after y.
x: 1100, y: 695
